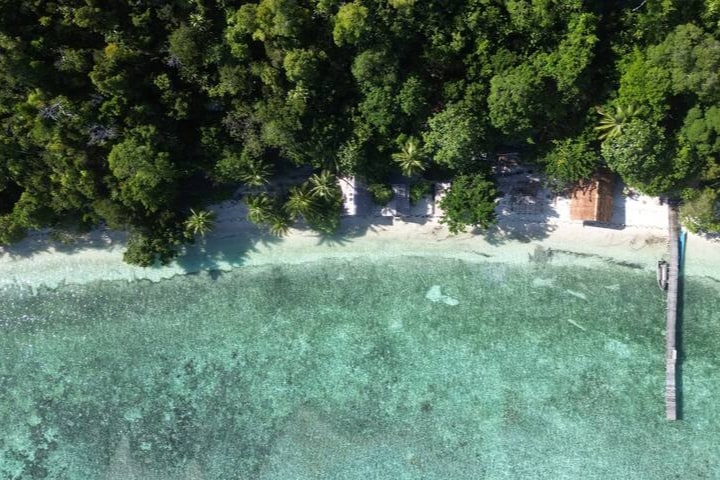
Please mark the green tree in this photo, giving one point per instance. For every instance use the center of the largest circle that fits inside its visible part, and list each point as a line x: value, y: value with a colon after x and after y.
x: 279, y: 225
x: 455, y: 137
x: 375, y: 68
x: 300, y: 201
x: 470, y: 201
x: 144, y: 172
x: 413, y: 97
x: 700, y: 212
x: 675, y: 79
x: 183, y: 47
x: 643, y: 157
x: 611, y: 123
x: 381, y: 193
x: 303, y: 65
x: 323, y: 185
x: 255, y: 172
x: 261, y: 208
x: 572, y: 159
x: 199, y: 223
x: 279, y: 20
x: 515, y: 102
x: 570, y: 63
x: 145, y: 248
x: 692, y: 58
x: 349, y: 23
x: 410, y: 158
x: 10, y: 230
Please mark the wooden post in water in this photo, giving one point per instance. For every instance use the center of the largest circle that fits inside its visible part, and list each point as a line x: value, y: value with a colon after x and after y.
x: 672, y: 310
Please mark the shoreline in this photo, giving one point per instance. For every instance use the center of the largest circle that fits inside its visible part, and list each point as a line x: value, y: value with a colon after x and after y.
x: 39, y: 262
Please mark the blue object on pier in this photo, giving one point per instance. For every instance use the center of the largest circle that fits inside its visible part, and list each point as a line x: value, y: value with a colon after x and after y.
x: 681, y: 246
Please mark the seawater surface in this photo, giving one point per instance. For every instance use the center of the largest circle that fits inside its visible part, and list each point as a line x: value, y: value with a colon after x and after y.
x: 405, y: 368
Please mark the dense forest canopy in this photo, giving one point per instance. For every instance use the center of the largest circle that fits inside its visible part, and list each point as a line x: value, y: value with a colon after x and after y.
x: 137, y: 113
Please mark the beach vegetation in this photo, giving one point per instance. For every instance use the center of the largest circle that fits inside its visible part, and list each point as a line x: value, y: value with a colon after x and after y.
x: 10, y: 230
x: 410, y: 158
x: 279, y: 224
x: 469, y: 202
x: 612, y: 120
x: 323, y: 185
x: 300, y: 202
x: 572, y: 159
x: 255, y: 172
x: 381, y: 193
x: 418, y: 190
x: 200, y: 222
x: 261, y: 208
x: 129, y: 114
x: 700, y: 211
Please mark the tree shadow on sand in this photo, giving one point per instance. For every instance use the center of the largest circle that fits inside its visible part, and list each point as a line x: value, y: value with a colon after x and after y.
x: 221, y: 254
x: 524, y: 210
x: 355, y: 227
x: 214, y: 253
x: 517, y: 232
x: 41, y: 241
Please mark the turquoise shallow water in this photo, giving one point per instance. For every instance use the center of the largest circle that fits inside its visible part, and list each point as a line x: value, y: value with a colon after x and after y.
x: 411, y: 368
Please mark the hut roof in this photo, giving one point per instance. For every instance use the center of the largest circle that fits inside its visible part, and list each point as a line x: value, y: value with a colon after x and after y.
x: 593, y: 201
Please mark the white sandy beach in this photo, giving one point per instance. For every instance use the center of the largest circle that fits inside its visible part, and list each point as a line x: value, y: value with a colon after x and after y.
x: 640, y: 240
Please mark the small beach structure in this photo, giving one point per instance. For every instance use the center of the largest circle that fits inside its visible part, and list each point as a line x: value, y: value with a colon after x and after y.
x: 401, y: 198
x: 348, y: 187
x: 506, y: 163
x: 525, y: 197
x: 593, y: 201
x: 439, y: 192
x: 663, y: 273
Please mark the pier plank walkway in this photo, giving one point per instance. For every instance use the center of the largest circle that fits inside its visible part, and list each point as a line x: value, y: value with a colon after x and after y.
x: 672, y: 311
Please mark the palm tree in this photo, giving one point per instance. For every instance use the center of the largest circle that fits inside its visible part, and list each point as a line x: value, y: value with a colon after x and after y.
x: 200, y: 222
x: 611, y: 124
x: 300, y: 202
x: 256, y: 173
x: 260, y: 208
x: 324, y: 185
x: 409, y: 158
x: 279, y: 225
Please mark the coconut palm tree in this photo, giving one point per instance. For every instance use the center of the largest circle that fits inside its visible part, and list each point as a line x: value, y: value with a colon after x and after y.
x: 199, y: 222
x: 260, y: 208
x: 264, y: 210
x: 410, y: 158
x: 611, y: 123
x: 300, y: 202
x: 256, y: 173
x: 279, y: 224
x: 324, y: 185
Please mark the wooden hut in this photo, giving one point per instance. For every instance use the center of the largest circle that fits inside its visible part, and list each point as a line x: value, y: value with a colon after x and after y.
x: 593, y: 201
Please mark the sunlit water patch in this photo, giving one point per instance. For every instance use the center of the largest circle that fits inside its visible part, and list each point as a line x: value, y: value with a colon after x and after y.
x: 411, y: 368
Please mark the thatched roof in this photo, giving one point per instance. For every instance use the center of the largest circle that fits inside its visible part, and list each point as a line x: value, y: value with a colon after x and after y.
x: 593, y: 201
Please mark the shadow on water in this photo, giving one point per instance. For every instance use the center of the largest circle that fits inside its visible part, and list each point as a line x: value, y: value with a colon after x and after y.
x: 679, y: 340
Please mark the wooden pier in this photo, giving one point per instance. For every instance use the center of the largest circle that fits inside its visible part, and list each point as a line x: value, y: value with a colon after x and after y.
x: 672, y: 311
